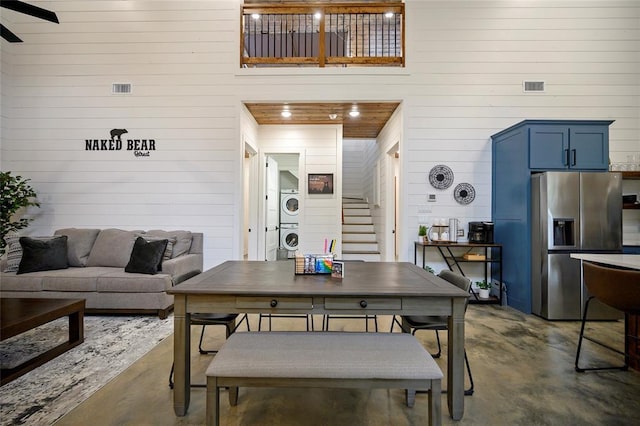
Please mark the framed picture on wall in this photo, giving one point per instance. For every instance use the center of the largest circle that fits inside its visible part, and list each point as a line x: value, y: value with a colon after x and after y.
x: 320, y: 183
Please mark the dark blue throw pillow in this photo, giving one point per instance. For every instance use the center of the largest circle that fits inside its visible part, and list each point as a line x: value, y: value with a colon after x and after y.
x: 146, y: 257
x: 39, y: 254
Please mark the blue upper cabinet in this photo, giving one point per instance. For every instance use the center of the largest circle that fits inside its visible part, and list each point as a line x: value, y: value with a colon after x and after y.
x: 576, y: 145
x: 525, y: 148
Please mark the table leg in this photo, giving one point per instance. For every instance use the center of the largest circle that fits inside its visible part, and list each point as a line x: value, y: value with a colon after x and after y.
x: 455, y: 360
x: 76, y: 327
x: 181, y: 355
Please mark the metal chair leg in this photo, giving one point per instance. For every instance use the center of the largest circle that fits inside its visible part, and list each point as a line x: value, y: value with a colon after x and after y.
x: 582, y: 336
x: 468, y: 391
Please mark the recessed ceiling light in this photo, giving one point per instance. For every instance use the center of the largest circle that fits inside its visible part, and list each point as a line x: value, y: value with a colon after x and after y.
x: 333, y: 116
x: 286, y: 113
x: 354, y: 113
x: 388, y: 15
x: 255, y: 16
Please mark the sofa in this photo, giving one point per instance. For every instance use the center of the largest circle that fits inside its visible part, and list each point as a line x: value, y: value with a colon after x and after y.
x: 114, y: 270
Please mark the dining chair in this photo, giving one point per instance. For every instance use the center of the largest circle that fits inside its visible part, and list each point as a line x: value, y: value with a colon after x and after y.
x: 269, y: 317
x: 437, y: 322
x: 325, y: 318
x: 619, y: 289
x: 228, y: 320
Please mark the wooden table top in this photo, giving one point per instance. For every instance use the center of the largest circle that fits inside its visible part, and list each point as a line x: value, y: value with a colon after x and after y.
x: 631, y: 261
x: 18, y: 315
x: 256, y: 278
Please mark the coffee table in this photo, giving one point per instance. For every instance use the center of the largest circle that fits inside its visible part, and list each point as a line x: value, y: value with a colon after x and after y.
x: 18, y: 315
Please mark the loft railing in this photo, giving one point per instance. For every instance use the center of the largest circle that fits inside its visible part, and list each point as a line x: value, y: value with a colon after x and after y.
x: 322, y: 35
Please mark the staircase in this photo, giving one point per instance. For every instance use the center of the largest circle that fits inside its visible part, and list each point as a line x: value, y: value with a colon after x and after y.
x: 358, y: 235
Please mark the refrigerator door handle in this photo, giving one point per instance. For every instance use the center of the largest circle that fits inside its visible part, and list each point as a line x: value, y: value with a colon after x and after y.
x: 573, y: 154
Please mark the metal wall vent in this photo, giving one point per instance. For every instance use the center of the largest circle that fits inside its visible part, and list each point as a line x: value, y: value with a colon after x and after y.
x: 533, y: 86
x: 120, y: 88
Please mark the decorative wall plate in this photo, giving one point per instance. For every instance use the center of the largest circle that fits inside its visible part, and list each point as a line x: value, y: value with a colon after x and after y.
x: 464, y: 193
x: 441, y: 177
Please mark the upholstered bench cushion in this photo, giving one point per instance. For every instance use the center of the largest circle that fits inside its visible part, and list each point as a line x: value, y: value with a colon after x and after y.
x: 328, y: 355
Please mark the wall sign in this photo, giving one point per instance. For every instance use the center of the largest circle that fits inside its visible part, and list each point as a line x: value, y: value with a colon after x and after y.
x: 139, y: 147
x: 320, y: 183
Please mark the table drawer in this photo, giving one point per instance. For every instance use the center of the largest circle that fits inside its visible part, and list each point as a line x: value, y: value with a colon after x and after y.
x: 274, y: 302
x: 362, y: 303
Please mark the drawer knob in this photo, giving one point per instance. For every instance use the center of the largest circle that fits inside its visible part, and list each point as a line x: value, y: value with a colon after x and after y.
x: 273, y: 303
x: 363, y: 303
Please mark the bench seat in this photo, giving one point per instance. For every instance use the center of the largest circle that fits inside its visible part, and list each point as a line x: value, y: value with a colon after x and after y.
x: 325, y: 360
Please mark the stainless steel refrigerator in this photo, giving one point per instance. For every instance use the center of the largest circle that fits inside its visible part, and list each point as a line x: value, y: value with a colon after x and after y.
x: 572, y: 212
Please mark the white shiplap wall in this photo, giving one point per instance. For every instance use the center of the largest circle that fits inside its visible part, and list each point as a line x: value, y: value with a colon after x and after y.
x: 466, y: 61
x: 353, y: 166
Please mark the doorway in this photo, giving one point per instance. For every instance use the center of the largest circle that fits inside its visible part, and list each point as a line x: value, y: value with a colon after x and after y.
x: 287, y: 193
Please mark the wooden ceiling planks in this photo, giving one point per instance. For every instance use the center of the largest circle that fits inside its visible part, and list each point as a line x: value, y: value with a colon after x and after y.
x: 373, y: 115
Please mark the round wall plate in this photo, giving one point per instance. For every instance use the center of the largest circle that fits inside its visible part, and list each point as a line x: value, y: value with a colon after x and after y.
x: 441, y: 177
x: 464, y: 193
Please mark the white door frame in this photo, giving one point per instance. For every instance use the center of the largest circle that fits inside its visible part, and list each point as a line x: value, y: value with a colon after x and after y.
x: 250, y: 229
x: 391, y: 203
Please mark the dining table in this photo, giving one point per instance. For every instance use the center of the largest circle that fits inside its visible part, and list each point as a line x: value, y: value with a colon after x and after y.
x: 366, y: 288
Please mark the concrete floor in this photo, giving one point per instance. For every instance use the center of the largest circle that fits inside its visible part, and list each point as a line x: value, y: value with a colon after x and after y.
x: 522, y: 367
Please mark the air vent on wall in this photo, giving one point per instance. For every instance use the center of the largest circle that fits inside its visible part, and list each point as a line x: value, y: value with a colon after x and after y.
x: 121, y: 88
x: 533, y: 86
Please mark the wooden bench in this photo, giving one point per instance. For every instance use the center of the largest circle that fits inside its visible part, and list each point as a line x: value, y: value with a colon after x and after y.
x: 323, y: 360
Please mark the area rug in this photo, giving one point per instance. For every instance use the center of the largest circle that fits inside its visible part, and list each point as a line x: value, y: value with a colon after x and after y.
x: 42, y: 396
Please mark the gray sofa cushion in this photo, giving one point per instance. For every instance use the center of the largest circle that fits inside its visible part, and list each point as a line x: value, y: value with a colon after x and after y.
x: 125, y: 282
x: 25, y: 282
x: 112, y: 248
x: 182, y: 244
x: 74, y: 279
x: 79, y: 244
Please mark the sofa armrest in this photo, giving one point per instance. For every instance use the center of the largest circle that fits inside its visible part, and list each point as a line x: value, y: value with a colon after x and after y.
x: 182, y: 266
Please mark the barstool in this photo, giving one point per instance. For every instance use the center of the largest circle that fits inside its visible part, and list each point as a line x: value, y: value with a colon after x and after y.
x: 618, y: 288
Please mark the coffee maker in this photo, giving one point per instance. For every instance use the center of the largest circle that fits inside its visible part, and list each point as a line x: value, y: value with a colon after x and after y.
x: 481, y: 232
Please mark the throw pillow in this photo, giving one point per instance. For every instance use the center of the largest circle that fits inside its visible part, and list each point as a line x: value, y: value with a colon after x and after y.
x: 14, y: 252
x: 43, y: 255
x: 79, y: 244
x: 168, y: 251
x: 146, y: 257
x: 183, y: 240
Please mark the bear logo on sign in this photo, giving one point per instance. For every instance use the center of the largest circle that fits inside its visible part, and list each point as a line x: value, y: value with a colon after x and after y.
x: 117, y: 133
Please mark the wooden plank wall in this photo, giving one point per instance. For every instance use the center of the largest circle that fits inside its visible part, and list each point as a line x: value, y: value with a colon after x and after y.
x: 466, y: 61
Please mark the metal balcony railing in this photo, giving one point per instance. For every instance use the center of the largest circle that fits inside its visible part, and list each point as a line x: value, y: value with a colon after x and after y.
x: 319, y: 35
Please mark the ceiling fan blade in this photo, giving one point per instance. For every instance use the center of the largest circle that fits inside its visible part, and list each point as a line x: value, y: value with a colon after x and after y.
x: 30, y: 10
x: 8, y: 35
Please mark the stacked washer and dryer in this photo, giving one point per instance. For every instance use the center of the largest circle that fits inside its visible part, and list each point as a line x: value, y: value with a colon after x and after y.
x: 289, y: 202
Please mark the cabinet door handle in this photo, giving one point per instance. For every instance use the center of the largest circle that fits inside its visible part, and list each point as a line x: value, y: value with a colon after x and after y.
x: 573, y: 154
x: 566, y: 157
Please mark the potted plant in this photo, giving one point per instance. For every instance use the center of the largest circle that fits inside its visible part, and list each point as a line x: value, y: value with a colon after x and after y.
x: 16, y: 194
x: 484, y: 289
x: 422, y: 233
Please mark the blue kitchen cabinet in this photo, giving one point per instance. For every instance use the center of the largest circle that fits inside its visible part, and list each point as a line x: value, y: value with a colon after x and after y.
x: 569, y: 145
x: 525, y: 148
